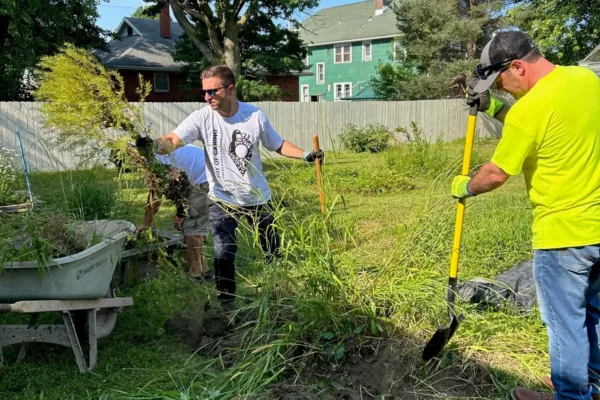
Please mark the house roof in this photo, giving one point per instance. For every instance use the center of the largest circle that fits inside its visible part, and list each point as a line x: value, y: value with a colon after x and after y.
x: 349, y: 22
x: 145, y: 49
x: 592, y: 61
x: 366, y: 93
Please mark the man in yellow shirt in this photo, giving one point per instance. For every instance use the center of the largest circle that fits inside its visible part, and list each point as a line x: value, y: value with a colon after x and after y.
x: 552, y: 136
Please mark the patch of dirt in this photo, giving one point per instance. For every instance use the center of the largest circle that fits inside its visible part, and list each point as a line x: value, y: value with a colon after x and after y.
x: 384, y: 369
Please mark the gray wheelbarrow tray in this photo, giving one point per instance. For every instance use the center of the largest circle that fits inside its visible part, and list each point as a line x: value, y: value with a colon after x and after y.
x: 77, y: 287
x: 84, y: 275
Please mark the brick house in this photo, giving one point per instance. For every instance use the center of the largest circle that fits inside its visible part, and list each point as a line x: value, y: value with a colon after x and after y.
x: 345, y: 44
x: 144, y: 46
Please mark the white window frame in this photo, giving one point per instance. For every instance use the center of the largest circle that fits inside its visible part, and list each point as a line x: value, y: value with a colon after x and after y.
x: 335, y: 91
x: 302, y: 100
x: 156, y: 89
x: 342, y: 46
x: 364, y: 48
x: 307, y: 55
x: 395, y: 48
x: 320, y: 81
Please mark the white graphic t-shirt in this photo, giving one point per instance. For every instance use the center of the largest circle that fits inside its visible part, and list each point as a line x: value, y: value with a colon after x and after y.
x: 232, y: 152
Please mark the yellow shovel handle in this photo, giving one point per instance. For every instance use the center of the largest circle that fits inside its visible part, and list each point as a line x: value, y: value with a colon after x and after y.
x: 460, y: 211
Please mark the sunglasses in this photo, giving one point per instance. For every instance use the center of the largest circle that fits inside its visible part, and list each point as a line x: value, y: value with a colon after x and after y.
x: 211, y: 92
x: 486, y: 72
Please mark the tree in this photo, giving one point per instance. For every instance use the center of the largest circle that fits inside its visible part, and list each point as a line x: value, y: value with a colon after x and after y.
x: 242, y: 34
x: 565, y: 30
x: 146, y: 13
x: 34, y: 28
x: 440, y: 42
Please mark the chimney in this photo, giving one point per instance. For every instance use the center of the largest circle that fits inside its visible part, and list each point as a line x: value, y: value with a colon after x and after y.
x: 165, y: 22
x: 380, y: 7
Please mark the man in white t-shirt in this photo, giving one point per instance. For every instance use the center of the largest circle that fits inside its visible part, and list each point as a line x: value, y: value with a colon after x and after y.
x: 232, y: 132
x: 191, y: 218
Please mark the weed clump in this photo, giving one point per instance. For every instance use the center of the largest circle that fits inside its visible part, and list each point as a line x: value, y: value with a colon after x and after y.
x: 371, y: 138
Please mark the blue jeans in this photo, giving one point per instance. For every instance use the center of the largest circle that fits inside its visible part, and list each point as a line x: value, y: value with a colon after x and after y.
x: 568, y: 289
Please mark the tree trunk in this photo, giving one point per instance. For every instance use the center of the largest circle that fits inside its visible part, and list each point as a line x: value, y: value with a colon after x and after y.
x: 231, y: 49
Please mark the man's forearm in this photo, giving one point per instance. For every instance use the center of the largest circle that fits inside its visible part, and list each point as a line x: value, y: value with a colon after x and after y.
x: 488, y: 178
x: 287, y: 149
x: 152, y: 207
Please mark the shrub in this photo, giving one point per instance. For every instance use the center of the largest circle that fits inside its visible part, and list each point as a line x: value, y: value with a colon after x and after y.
x: 11, y: 178
x: 371, y: 138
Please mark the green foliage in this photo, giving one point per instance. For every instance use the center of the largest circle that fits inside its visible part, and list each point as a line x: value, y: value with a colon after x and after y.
x: 256, y: 90
x: 89, y: 200
x: 32, y: 29
x: 11, y: 178
x: 81, y: 99
x: 146, y: 13
x: 440, y: 41
x: 247, y: 38
x: 371, y: 138
x: 565, y: 30
x: 419, y: 155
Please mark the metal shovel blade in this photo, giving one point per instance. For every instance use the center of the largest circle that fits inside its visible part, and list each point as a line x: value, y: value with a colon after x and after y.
x: 439, y: 340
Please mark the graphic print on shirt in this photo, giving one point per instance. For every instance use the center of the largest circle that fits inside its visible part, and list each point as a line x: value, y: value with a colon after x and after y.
x: 240, y: 150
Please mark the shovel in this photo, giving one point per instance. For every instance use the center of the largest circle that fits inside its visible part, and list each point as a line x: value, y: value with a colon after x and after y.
x: 444, y: 333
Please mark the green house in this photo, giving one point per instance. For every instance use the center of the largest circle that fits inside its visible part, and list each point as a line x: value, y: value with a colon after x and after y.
x: 345, y: 44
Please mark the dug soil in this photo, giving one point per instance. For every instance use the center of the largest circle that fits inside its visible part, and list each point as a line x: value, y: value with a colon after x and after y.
x: 388, y: 369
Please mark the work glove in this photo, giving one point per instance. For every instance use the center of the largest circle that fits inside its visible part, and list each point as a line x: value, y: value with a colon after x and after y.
x: 486, y: 102
x: 312, y: 156
x: 145, y: 143
x: 460, y: 188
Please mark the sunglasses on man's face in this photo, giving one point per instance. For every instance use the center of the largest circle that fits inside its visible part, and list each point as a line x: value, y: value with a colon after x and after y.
x: 211, y: 92
x: 486, y: 72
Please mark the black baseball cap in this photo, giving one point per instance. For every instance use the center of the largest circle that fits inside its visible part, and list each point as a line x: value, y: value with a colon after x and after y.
x: 497, y: 55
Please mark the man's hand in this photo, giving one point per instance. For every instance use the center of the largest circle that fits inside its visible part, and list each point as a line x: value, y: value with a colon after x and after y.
x: 178, y: 223
x: 460, y: 187
x: 486, y: 102
x: 312, y: 156
x: 140, y: 229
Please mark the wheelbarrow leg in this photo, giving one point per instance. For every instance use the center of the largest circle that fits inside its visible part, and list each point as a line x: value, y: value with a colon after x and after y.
x: 92, y: 338
x: 75, y: 345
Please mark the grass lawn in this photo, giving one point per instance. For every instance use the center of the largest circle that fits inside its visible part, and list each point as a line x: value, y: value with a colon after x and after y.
x: 359, y: 294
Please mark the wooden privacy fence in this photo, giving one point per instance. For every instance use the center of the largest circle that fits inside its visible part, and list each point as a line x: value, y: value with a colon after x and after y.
x: 296, y: 122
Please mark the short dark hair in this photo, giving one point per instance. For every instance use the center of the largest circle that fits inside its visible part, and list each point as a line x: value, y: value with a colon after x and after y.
x: 223, y: 72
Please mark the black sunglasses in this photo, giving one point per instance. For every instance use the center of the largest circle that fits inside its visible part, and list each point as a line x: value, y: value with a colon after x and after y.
x: 211, y: 92
x: 486, y: 72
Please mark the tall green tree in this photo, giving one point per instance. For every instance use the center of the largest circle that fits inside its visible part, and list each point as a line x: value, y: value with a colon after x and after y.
x: 565, y: 30
x: 439, y: 42
x: 146, y: 13
x: 242, y: 34
x: 35, y: 28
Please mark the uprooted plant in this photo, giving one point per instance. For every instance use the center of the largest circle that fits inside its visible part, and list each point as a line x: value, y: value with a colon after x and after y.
x: 86, y: 111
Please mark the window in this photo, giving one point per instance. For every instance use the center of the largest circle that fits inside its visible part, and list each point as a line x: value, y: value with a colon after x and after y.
x: 320, y: 73
x: 342, y: 90
x: 161, y: 82
x: 397, y: 51
x: 129, y: 31
x: 304, y: 97
x: 343, y: 53
x: 367, y: 51
x: 307, y: 54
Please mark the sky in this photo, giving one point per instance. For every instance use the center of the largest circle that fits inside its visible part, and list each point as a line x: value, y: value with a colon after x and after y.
x: 112, y: 12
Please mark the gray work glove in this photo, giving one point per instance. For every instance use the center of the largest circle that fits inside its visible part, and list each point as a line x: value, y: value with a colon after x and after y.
x: 312, y: 156
x: 481, y: 99
x: 486, y: 102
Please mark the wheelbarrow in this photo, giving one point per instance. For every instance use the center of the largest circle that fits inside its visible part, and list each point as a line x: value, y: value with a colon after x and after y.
x: 76, y: 286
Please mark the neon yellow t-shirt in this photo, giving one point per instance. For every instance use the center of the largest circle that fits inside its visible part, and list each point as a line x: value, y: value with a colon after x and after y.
x: 552, y: 135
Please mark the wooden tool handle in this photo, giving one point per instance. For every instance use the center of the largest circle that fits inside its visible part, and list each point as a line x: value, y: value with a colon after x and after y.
x: 316, y: 147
